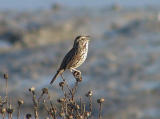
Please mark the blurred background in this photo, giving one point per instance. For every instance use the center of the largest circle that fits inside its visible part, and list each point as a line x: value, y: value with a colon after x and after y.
x: 123, y: 63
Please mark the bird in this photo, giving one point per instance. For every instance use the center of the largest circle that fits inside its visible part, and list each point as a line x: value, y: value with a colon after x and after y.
x: 75, y: 57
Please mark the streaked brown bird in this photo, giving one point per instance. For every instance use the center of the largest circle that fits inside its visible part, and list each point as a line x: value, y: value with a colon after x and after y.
x: 75, y: 57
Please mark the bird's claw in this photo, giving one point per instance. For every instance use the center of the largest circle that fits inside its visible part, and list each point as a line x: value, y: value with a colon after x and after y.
x: 77, y: 76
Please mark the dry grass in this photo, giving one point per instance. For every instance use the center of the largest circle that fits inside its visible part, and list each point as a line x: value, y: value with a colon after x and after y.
x: 67, y: 107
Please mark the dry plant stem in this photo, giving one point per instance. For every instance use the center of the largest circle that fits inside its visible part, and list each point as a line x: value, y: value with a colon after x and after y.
x: 35, y: 103
x: 3, y: 116
x: 63, y: 109
x: 6, y: 90
x: 35, y: 112
x: 49, y: 114
x: 74, y: 89
x: 100, y: 111
x: 90, y: 103
x: 64, y: 93
x: 10, y: 112
x: 65, y: 103
x: 46, y: 108
x: 9, y: 116
x: 54, y: 110
x: 66, y: 112
x: 66, y: 84
x: 18, y: 111
x: 77, y: 113
x: 40, y: 97
x: 84, y: 110
x: 81, y: 105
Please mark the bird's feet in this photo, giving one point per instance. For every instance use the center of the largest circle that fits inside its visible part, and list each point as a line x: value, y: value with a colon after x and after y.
x: 77, y: 75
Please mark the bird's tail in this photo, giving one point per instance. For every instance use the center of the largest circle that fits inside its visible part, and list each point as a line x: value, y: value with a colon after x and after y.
x: 56, y: 75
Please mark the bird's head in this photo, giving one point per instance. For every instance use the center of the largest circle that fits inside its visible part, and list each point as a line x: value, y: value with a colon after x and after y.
x: 81, y: 41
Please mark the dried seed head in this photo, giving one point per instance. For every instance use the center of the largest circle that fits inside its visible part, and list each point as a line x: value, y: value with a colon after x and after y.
x: 77, y: 76
x: 10, y: 109
x: 46, y: 117
x: 79, y: 79
x: 20, y: 102
x: 32, y: 89
x: 89, y: 94
x: 87, y: 114
x: 44, y: 101
x: 80, y: 117
x: 77, y: 107
x: 101, y: 100
x: 5, y: 76
x: 45, y: 90
x: 28, y: 116
x: 61, y: 100
x: 53, y: 110
x: 71, y: 106
x: 61, y: 84
x: 2, y: 110
x: 2, y: 101
x: 70, y: 117
x: 62, y: 114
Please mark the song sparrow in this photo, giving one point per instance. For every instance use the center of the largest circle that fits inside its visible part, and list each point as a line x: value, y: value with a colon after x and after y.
x: 75, y: 57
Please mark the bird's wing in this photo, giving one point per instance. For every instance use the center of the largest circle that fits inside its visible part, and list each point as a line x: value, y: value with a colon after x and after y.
x: 66, y: 61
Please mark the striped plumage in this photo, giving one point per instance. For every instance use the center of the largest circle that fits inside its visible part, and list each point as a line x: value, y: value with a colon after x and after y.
x: 75, y: 57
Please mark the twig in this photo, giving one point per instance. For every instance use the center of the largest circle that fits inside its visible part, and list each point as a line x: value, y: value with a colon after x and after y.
x: 3, y: 116
x: 53, y: 109
x: 70, y: 91
x: 35, y: 102
x: 81, y: 108
x: 100, y: 101
x: 100, y: 111
x: 6, y: 87
x: 84, y: 110
x: 90, y: 103
x: 74, y: 89
x: 18, y: 113
x: 20, y: 102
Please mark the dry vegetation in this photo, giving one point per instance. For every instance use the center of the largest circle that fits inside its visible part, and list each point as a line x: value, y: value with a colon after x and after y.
x: 67, y: 107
